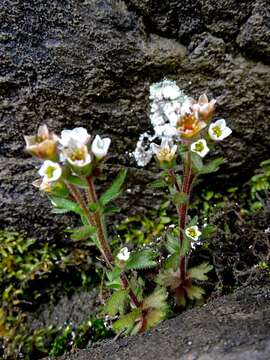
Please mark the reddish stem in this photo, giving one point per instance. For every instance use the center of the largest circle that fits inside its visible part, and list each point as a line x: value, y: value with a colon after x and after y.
x: 188, y: 179
x: 92, y: 197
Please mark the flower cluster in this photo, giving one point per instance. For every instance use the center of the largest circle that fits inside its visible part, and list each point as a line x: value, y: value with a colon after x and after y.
x: 72, y: 153
x: 177, y: 118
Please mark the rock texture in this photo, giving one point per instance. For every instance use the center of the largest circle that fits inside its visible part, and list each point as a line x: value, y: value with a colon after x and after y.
x: 235, y: 327
x: 89, y: 63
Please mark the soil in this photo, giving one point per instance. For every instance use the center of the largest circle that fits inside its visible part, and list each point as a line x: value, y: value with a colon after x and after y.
x: 233, y: 327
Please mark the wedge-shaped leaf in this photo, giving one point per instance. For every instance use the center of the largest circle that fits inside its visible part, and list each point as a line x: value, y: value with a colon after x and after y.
x: 114, y: 190
x: 127, y: 322
x: 212, y: 166
x: 66, y: 204
x: 180, y: 198
x: 195, y: 292
x: 116, y: 303
x: 169, y: 278
x: 160, y: 183
x: 199, y: 272
x: 82, y: 232
x: 143, y: 259
x: 114, y: 281
x: 208, y: 231
x: 172, y: 244
x: 185, y: 246
x: 75, y: 180
x: 156, y: 300
x: 193, y: 221
x: 172, y: 261
x: 197, y: 163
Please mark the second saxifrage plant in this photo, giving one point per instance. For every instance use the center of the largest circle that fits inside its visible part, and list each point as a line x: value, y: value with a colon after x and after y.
x: 143, y: 282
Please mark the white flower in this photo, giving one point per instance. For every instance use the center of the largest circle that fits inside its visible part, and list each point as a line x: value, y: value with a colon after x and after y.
x: 164, y: 152
x: 200, y: 147
x: 165, y: 89
x: 79, y: 134
x: 77, y: 154
x: 100, y: 146
x: 123, y: 254
x: 50, y: 171
x: 186, y: 107
x: 193, y: 232
x: 156, y: 119
x: 165, y: 130
x: 219, y: 130
x: 172, y: 111
x: 141, y: 154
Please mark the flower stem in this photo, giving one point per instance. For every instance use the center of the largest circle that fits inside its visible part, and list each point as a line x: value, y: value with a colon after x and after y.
x: 188, y: 178
x: 105, y: 248
x: 92, y: 197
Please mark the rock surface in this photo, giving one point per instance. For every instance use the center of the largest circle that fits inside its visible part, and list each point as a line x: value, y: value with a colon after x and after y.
x: 89, y: 63
x: 234, y: 327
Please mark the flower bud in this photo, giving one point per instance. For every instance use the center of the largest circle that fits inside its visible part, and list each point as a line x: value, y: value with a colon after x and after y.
x: 43, y: 145
x: 100, y: 147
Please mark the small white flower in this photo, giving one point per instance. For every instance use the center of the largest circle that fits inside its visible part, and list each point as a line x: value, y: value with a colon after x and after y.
x: 50, y: 171
x: 77, y: 154
x: 123, y: 254
x: 186, y: 107
x: 200, y: 147
x: 164, y: 152
x: 166, y: 130
x: 79, y: 134
x: 165, y: 89
x: 193, y: 232
x: 219, y: 130
x: 143, y: 154
x: 100, y: 146
x: 156, y: 119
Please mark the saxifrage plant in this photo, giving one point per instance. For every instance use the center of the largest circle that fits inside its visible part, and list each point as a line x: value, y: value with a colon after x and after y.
x: 141, y: 279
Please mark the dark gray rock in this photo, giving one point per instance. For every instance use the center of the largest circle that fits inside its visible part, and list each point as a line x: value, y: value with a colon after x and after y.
x: 234, y: 327
x: 90, y: 63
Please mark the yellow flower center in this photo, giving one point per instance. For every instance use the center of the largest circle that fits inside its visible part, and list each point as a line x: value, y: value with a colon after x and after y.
x: 192, y: 233
x: 49, y: 171
x: 199, y: 147
x: 78, y: 155
x: 217, y: 131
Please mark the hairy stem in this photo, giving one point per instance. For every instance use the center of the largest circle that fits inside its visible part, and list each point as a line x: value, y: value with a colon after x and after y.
x: 102, y: 235
x: 105, y: 248
x: 183, y: 210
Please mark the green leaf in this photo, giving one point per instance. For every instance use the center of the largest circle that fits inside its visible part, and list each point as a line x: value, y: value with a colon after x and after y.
x: 212, y: 166
x: 185, y: 245
x: 141, y: 260
x: 208, y: 231
x: 193, y: 222
x: 172, y: 244
x: 198, y: 272
x: 66, y: 205
x: 156, y: 300
x: 180, y: 198
x: 82, y: 232
x: 197, y: 163
x: 127, y: 321
x: 114, y: 190
x: 93, y: 207
x: 114, y: 281
x: 158, y: 184
x: 75, y: 180
x: 117, y: 303
x: 111, y: 210
x: 195, y: 292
